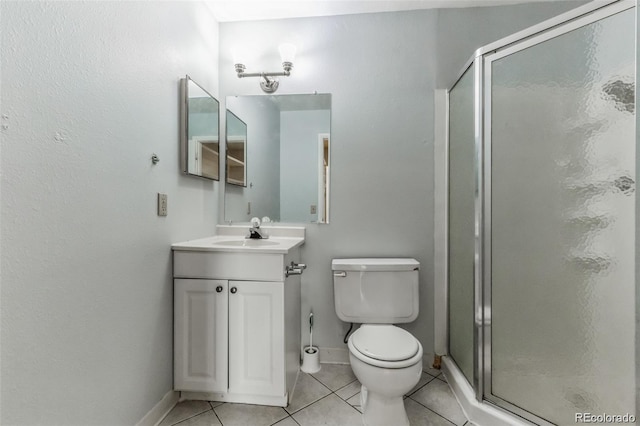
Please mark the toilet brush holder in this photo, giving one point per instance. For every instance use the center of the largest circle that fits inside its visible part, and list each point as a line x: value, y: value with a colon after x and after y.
x: 310, y: 360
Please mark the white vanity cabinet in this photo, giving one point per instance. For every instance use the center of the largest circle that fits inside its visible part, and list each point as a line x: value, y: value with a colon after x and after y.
x: 200, y: 319
x: 236, y: 326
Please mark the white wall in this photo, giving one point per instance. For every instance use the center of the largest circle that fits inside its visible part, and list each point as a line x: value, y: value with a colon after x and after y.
x: 90, y: 90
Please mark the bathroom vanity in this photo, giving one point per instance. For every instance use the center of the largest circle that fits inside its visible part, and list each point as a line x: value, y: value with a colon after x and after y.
x: 237, y: 316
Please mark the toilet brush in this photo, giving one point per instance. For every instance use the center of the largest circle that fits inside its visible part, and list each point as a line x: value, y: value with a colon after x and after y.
x: 310, y: 356
x: 311, y: 329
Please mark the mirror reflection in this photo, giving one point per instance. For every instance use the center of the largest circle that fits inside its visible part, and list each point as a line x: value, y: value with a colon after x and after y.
x: 199, y: 133
x: 236, y: 150
x: 287, y: 147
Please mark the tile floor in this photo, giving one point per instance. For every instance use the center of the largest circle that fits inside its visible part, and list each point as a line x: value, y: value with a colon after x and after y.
x: 330, y: 397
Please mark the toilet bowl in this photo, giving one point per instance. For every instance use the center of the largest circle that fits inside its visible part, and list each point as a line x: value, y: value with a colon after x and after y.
x: 387, y: 361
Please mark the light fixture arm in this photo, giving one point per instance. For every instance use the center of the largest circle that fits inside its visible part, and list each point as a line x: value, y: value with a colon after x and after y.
x: 242, y: 74
x: 268, y: 84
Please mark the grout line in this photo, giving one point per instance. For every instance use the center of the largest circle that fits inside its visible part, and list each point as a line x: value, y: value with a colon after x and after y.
x: 188, y: 418
x: 278, y: 421
x: 436, y: 376
x: 425, y: 384
x: 348, y: 384
x: 318, y: 380
x: 216, y: 414
x: 433, y: 411
x: 311, y: 403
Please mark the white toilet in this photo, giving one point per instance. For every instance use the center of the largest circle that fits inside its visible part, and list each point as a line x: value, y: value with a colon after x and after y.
x: 386, y: 359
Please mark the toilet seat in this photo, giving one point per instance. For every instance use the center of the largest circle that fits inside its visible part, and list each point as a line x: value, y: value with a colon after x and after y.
x: 385, y: 346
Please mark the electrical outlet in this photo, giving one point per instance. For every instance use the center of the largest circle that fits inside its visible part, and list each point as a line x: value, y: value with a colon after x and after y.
x: 313, y: 209
x: 162, y: 204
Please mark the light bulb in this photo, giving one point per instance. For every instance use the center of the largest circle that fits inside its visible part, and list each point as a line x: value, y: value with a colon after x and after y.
x: 239, y: 55
x: 287, y: 52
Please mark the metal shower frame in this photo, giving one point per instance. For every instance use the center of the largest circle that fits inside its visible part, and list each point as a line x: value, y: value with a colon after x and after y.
x: 481, y: 61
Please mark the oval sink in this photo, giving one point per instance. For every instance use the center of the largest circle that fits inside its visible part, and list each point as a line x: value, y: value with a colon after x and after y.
x: 246, y: 243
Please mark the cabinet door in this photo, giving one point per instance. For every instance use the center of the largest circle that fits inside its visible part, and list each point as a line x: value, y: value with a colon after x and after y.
x: 200, y: 335
x: 256, y: 338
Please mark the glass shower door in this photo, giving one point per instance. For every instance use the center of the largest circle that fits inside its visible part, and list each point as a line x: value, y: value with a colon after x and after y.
x: 462, y: 184
x: 559, y: 181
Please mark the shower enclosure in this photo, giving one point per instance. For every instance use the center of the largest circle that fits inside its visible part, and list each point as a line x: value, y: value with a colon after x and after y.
x: 541, y: 220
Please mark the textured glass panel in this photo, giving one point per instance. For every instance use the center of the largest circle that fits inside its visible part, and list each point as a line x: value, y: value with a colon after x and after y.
x: 562, y: 181
x: 461, y: 220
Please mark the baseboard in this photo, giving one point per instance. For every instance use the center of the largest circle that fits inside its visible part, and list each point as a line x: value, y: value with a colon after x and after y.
x: 160, y: 410
x: 334, y: 355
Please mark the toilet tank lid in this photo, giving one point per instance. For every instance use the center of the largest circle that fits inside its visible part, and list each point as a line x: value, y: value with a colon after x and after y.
x: 375, y: 264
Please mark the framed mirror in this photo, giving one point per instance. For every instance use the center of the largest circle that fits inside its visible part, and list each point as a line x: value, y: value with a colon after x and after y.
x: 199, y: 143
x: 236, y: 150
x: 288, y: 145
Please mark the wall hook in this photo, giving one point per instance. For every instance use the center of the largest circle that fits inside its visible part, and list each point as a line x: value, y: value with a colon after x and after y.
x: 155, y: 159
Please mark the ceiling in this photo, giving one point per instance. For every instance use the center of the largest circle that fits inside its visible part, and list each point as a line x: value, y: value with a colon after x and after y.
x: 250, y: 10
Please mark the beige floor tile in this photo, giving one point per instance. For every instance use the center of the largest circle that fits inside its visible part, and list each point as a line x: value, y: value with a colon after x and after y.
x: 214, y: 404
x: 335, y: 376
x: 419, y: 415
x: 424, y: 379
x: 184, y: 410
x: 348, y: 391
x: 432, y: 371
x: 307, y: 390
x: 247, y: 414
x: 286, y: 422
x: 329, y: 411
x: 208, y: 418
x: 437, y: 396
x: 355, y: 401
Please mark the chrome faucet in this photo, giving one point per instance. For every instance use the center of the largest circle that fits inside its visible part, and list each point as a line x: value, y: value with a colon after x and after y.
x: 255, y: 232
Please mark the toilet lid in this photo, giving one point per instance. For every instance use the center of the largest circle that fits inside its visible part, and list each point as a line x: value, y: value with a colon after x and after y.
x: 385, y: 342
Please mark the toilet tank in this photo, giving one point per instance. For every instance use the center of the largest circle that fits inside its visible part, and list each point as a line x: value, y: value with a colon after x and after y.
x: 376, y: 291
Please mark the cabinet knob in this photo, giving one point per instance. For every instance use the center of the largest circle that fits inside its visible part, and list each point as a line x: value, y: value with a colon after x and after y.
x: 233, y: 290
x: 219, y: 289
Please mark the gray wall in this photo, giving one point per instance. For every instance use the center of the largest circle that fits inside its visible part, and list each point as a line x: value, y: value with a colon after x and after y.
x: 382, y: 128
x: 90, y: 91
x: 381, y: 135
x: 462, y: 30
x: 262, y: 118
x: 299, y: 161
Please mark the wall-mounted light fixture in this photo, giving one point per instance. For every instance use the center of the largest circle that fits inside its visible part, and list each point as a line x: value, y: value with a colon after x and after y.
x: 269, y: 84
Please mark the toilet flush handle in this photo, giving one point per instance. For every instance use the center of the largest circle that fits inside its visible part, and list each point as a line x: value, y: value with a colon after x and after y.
x: 341, y: 274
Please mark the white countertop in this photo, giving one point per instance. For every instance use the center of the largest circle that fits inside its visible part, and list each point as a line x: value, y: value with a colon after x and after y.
x: 232, y: 239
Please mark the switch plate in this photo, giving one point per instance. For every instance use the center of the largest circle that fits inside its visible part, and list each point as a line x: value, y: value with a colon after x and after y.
x: 313, y: 209
x: 162, y: 204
